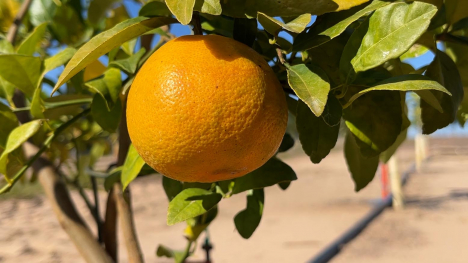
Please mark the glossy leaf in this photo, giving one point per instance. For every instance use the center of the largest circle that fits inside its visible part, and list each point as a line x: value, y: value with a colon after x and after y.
x: 108, y: 40
x: 129, y: 64
x: 16, y: 138
x: 9, y: 122
x: 22, y: 71
x: 273, y: 26
x: 7, y: 90
x: 375, y: 120
x: 272, y: 172
x: 42, y: 11
x: 362, y: 169
x: 316, y: 136
x: 108, y: 86
x: 392, y: 30
x: 59, y: 59
x: 247, y: 220
x: 411, y: 82
x: 245, y: 30
x: 332, y: 25
x: 212, y: 7
x: 190, y: 203
x: 108, y: 119
x: 182, y: 9
x: 444, y: 71
x: 132, y: 166
x: 415, y: 51
x: 30, y: 43
x: 311, y: 85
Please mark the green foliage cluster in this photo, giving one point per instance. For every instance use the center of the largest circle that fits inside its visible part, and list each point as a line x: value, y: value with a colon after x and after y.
x: 347, y: 68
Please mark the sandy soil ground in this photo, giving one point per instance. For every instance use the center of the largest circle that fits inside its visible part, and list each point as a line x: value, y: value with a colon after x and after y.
x: 296, y: 225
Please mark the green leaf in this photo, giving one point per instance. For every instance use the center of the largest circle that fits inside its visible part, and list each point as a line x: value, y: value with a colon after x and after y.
x: 6, y: 47
x: 22, y: 71
x: 332, y: 25
x: 68, y: 28
x: 9, y: 122
x: 362, y: 169
x: 182, y: 9
x: 245, y: 30
x: 30, y: 43
x: 456, y: 10
x: 247, y: 220
x: 311, y: 85
x: 42, y: 11
x: 249, y: 8
x: 114, y: 177
x: 273, y: 26
x: 272, y: 172
x: 108, y: 86
x: 316, y: 136
x: 132, y: 166
x: 171, y: 187
x: 444, y: 71
x: 37, y: 105
x: 430, y: 99
x: 58, y: 59
x: 129, y: 64
x: 392, y: 30
x: 387, y: 154
x: 108, y: 119
x: 287, y: 143
x: 415, y: 51
x: 7, y: 90
x: 212, y: 7
x: 97, y: 10
x: 154, y: 8
x: 333, y: 111
x: 375, y: 120
x: 108, y: 40
x: 190, y: 203
x: 16, y: 138
x: 410, y: 82
x: 164, y: 251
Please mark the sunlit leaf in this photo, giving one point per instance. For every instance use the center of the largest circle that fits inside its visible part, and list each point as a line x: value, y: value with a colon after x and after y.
x: 42, y: 11
x: 311, y: 85
x: 17, y: 137
x: 272, y: 172
x: 190, y: 203
x: 212, y: 7
x: 58, y: 59
x: 9, y: 122
x: 21, y: 71
x: 273, y: 26
x: 132, y: 166
x: 182, y: 9
x: 98, y: 8
x: 129, y: 64
x: 332, y: 25
x: 30, y: 43
x: 108, y: 40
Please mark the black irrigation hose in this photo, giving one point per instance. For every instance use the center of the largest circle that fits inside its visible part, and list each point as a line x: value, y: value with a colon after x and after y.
x: 335, y: 247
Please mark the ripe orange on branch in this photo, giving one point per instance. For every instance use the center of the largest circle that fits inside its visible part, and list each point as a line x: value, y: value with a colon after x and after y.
x: 206, y: 109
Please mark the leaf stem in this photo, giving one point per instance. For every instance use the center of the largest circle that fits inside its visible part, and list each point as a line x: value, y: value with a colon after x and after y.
x: 44, y: 147
x: 186, y: 252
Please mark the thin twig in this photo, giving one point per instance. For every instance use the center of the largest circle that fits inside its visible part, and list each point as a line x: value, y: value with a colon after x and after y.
x: 279, y: 52
x: 197, y: 29
x: 13, y: 31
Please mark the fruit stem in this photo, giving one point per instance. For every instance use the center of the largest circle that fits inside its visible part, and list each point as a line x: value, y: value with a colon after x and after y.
x: 197, y: 29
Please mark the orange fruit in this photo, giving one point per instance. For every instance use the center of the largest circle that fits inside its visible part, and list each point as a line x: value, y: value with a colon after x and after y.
x: 206, y: 109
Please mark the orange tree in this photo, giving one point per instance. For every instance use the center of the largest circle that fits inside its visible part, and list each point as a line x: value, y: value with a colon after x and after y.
x: 343, y: 64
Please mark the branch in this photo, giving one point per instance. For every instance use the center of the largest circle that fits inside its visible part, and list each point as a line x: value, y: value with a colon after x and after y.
x: 13, y: 31
x: 197, y: 29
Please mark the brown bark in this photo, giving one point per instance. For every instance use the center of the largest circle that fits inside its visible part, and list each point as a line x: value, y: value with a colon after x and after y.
x: 13, y: 30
